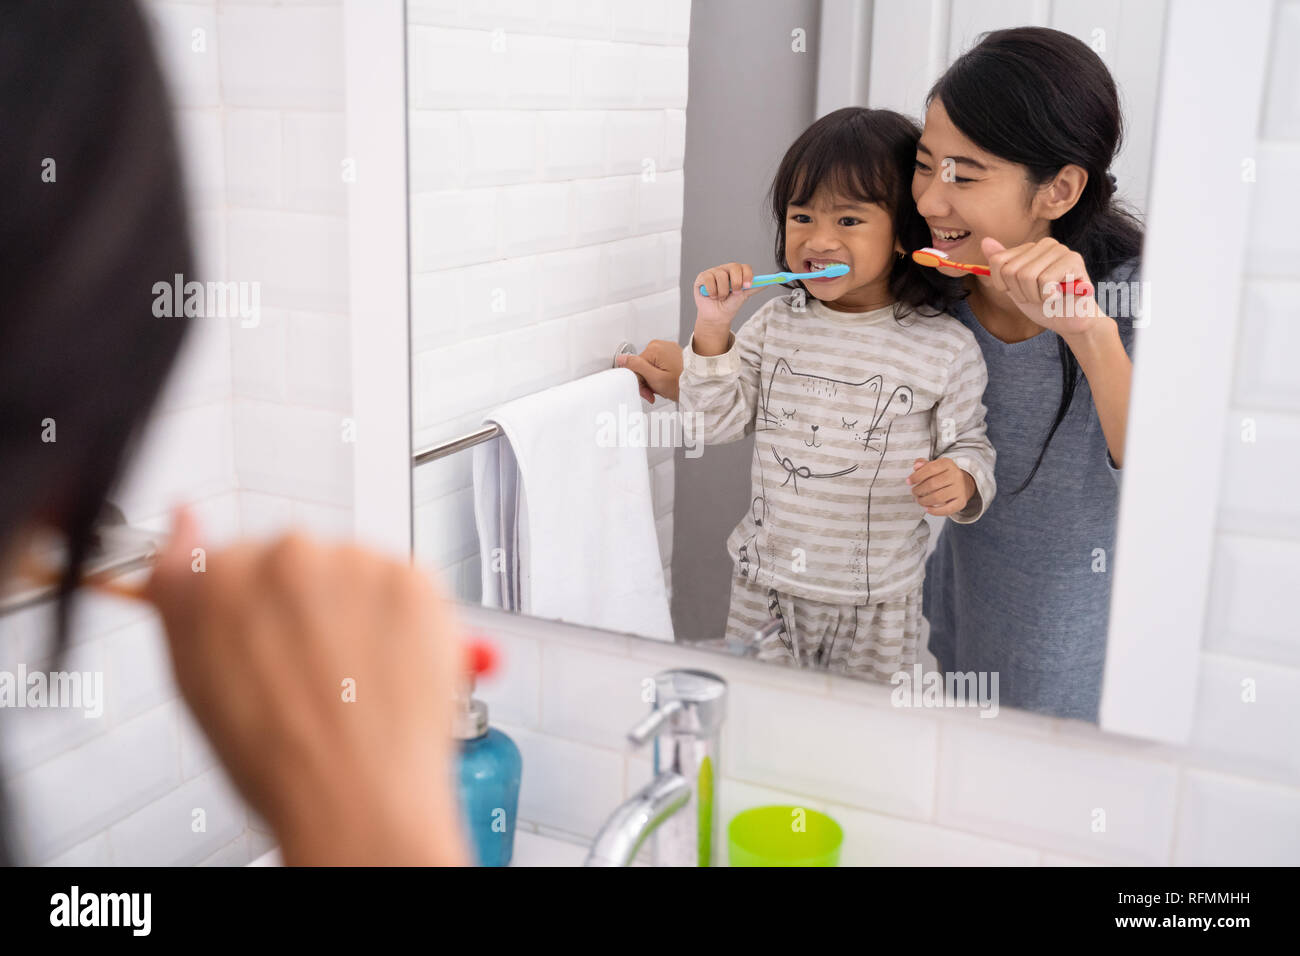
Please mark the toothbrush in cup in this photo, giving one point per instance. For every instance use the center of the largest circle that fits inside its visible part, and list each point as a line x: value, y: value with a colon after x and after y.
x: 935, y: 259
x: 776, y: 278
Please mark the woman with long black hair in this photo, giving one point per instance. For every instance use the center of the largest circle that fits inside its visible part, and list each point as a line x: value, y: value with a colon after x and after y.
x: 93, y: 216
x: 1012, y: 171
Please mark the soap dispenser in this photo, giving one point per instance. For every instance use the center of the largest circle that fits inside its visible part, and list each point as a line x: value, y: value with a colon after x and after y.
x: 488, y: 782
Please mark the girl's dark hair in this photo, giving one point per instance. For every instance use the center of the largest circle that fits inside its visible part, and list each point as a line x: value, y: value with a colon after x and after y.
x: 1044, y: 99
x: 867, y: 155
x: 93, y: 216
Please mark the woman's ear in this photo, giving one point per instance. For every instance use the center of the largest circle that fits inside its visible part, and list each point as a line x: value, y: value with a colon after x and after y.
x: 1057, y: 197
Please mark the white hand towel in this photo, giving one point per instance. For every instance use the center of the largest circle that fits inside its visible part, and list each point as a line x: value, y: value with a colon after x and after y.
x: 569, y: 508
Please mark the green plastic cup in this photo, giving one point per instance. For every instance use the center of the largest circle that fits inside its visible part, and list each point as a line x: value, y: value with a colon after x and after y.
x: 783, y: 836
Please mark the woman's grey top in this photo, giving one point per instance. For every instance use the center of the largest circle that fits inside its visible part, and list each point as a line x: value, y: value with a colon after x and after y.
x: 1025, y: 591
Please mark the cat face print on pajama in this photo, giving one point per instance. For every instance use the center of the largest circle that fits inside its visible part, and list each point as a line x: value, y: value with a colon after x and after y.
x: 840, y: 405
x: 871, y: 428
x: 826, y: 437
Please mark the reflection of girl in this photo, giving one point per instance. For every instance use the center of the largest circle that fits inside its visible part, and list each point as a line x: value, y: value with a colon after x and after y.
x: 1013, y: 165
x: 1026, y: 124
x: 865, y: 401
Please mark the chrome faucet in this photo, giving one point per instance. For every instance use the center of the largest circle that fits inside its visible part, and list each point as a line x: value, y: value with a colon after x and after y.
x: 678, y: 809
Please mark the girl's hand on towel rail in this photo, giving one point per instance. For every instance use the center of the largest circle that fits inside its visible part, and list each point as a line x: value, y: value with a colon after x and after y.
x: 940, y: 486
x: 323, y: 675
x: 658, y: 368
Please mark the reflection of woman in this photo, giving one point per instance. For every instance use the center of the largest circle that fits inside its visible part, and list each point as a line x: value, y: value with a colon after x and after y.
x: 1012, y: 172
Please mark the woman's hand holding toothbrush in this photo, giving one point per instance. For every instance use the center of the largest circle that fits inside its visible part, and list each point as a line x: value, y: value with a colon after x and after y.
x: 728, y: 288
x: 323, y: 675
x: 1032, y: 275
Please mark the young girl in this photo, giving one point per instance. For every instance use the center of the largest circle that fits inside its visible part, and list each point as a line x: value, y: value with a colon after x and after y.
x: 865, y: 401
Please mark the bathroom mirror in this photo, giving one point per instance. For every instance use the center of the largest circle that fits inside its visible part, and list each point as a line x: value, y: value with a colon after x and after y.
x: 560, y: 208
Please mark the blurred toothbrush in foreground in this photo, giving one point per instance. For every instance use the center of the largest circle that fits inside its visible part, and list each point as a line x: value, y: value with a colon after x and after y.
x: 480, y: 653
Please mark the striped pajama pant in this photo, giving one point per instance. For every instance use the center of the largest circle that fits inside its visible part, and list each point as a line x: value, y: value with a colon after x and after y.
x: 868, y: 640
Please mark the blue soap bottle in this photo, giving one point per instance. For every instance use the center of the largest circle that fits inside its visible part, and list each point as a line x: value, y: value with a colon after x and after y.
x: 488, y: 783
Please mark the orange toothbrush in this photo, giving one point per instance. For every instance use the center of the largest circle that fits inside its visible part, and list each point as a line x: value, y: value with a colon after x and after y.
x: 935, y: 259
x: 39, y: 574
x: 481, y: 654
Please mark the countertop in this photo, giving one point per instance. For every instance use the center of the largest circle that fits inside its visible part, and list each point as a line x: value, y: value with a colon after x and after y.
x: 531, y: 849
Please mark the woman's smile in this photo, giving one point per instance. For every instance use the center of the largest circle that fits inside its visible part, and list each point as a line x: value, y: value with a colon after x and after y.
x: 948, y: 238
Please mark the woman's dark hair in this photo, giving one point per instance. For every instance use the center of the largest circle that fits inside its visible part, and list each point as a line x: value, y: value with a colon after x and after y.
x: 94, y: 215
x: 867, y: 155
x: 1044, y: 99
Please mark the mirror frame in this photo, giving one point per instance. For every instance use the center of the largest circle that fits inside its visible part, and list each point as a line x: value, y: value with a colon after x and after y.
x: 379, y: 273
x: 1183, y: 380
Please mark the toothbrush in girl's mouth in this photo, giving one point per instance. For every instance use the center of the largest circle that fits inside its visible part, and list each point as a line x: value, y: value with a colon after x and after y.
x: 776, y: 278
x: 935, y: 258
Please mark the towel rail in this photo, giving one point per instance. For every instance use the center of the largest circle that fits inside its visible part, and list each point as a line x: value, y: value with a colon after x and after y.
x: 487, y: 432
x: 443, y: 449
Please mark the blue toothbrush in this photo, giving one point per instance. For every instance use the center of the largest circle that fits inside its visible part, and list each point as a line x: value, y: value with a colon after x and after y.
x: 776, y: 278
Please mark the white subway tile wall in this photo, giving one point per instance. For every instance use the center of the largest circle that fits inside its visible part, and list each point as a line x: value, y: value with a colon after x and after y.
x: 546, y: 145
x: 251, y: 427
